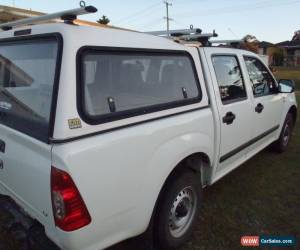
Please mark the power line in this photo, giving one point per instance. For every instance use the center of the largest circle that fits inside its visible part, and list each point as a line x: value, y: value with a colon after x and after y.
x: 138, y: 14
x: 179, y: 22
x: 232, y: 9
x: 152, y: 24
x: 231, y: 31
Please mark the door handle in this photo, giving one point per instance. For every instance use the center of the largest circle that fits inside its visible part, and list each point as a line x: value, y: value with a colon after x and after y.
x: 229, y: 118
x: 259, y: 108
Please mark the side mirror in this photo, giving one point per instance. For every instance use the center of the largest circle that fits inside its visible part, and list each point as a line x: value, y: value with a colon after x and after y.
x: 286, y: 86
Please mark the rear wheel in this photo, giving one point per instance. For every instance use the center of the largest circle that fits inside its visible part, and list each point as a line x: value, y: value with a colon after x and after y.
x: 282, y: 143
x: 178, y: 210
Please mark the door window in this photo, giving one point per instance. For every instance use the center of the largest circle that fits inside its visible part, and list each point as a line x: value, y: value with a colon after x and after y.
x: 262, y: 81
x: 229, y: 78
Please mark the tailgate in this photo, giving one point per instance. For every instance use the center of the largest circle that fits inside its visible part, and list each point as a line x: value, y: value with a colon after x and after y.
x: 29, y: 70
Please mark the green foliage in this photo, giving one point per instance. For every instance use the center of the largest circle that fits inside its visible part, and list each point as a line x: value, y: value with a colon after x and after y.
x: 103, y: 20
x: 288, y: 73
x: 278, y: 55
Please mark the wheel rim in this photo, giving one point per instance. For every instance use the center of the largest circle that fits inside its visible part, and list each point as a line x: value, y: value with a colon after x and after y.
x: 182, y: 212
x: 286, y: 134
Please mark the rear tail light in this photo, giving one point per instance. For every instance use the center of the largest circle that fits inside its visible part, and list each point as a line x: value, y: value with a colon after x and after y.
x: 70, y: 212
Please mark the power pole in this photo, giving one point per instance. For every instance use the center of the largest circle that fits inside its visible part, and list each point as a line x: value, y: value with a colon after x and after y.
x: 167, y: 17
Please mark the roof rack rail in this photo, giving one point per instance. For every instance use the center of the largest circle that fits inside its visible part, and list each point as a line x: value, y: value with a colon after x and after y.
x: 68, y: 16
x: 187, y: 35
x: 228, y: 41
x: 175, y: 33
x: 196, y: 37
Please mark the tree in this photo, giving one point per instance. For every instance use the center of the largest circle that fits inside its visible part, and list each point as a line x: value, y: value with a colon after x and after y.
x: 276, y: 56
x: 250, y: 39
x: 103, y: 20
x: 250, y: 43
x: 296, y: 36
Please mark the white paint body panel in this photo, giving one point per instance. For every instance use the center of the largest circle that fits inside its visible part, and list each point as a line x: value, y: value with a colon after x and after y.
x: 237, y: 133
x: 120, y: 173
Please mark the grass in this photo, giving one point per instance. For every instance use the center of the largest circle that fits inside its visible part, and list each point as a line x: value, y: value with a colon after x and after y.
x: 261, y: 197
x: 289, y: 73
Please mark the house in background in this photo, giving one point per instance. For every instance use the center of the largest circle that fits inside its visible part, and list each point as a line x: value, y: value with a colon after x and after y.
x: 9, y: 14
x: 291, y: 50
x: 263, y: 47
x: 265, y: 50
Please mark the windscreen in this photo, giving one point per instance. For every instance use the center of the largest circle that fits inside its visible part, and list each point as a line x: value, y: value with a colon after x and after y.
x: 27, y: 74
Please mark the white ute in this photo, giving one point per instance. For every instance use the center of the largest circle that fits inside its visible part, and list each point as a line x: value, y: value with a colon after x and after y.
x: 105, y: 133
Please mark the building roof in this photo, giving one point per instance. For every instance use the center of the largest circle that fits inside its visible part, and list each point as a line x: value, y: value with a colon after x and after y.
x: 289, y: 44
x: 8, y: 14
x: 264, y: 44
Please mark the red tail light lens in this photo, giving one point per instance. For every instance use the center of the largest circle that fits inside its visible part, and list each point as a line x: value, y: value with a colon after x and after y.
x: 70, y: 212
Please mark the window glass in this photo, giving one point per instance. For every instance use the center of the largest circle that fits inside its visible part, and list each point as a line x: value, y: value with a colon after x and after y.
x: 262, y: 81
x: 119, y: 82
x: 27, y: 71
x: 229, y: 77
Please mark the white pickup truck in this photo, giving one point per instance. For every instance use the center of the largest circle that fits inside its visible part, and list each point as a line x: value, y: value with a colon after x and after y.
x: 105, y: 133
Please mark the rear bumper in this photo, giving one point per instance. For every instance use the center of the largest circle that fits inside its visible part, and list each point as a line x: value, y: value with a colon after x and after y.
x: 21, y: 227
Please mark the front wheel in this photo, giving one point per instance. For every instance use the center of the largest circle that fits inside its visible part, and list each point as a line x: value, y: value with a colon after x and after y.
x: 282, y: 143
x: 178, y: 210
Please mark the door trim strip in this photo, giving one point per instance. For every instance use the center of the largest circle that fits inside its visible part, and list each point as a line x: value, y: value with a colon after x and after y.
x: 247, y: 144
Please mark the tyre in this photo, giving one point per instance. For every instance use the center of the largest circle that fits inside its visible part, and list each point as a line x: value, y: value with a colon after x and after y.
x: 178, y: 210
x: 282, y: 143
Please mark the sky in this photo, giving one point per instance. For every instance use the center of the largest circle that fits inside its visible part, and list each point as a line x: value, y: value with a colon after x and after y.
x: 268, y: 20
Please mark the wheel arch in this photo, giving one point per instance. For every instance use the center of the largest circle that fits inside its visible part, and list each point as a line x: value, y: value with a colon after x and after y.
x: 293, y: 111
x: 198, y: 162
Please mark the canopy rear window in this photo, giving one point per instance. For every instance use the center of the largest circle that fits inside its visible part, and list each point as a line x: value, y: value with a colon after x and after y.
x: 27, y: 75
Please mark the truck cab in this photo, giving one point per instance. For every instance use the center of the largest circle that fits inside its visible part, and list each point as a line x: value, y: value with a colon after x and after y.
x: 250, y: 106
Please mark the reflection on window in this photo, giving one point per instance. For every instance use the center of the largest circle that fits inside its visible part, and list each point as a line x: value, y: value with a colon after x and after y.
x: 12, y: 75
x: 261, y: 80
x: 27, y: 71
x: 229, y: 77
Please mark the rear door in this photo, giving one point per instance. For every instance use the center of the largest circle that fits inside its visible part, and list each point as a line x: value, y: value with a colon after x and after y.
x: 28, y: 71
x: 234, y: 107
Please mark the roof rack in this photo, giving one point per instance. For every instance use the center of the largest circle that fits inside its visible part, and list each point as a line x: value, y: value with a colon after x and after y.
x: 227, y: 41
x: 175, y: 33
x: 67, y: 16
x: 187, y: 35
x: 235, y: 43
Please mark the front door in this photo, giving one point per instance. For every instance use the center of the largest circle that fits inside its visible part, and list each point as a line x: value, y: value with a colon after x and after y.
x: 268, y: 106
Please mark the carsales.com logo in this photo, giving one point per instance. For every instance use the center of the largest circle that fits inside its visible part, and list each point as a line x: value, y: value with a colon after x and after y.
x: 277, y: 241
x: 250, y: 241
